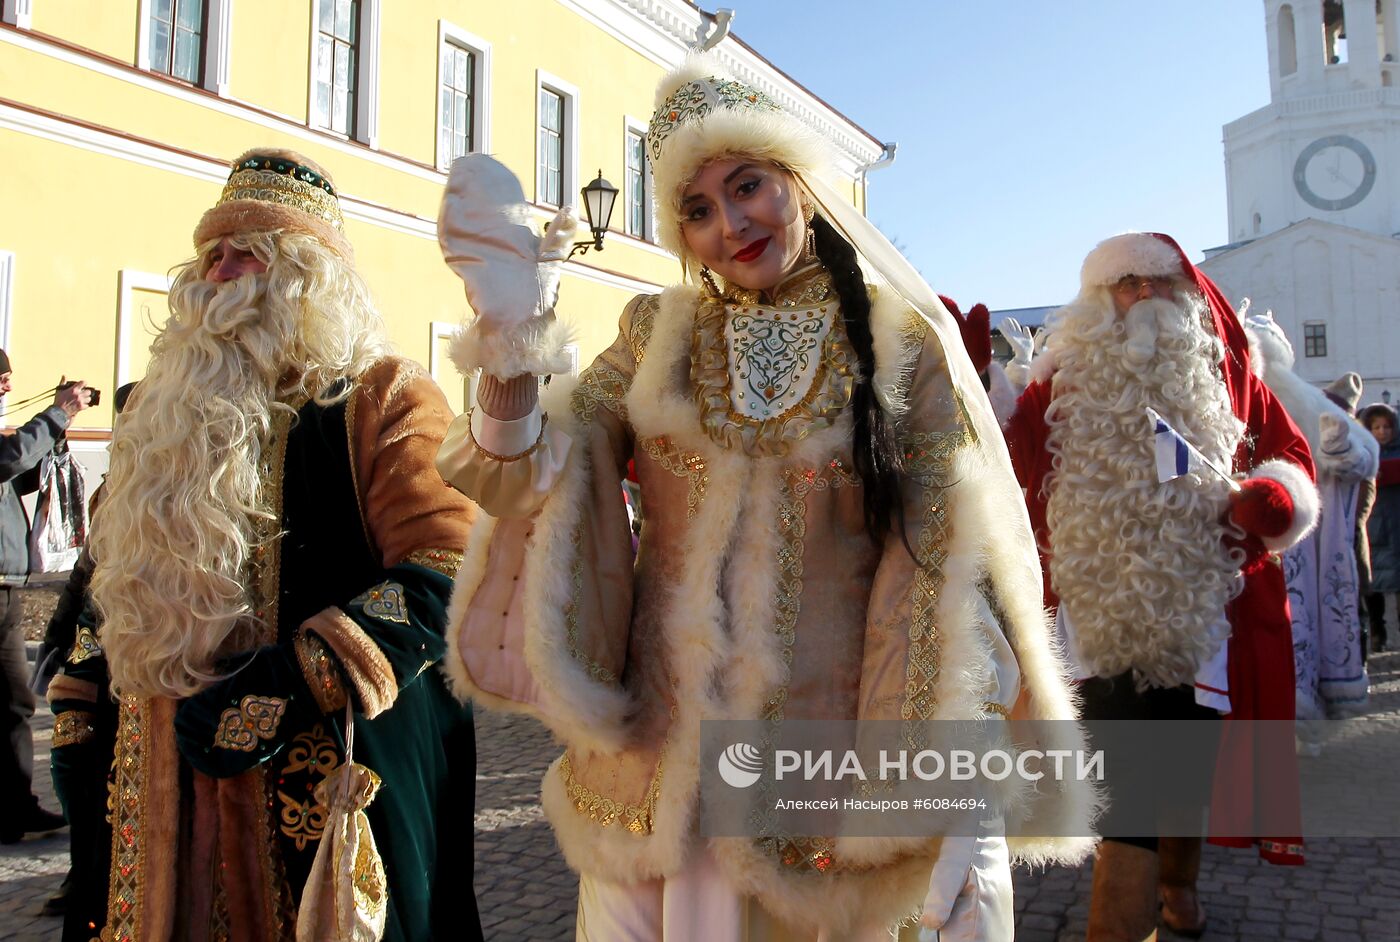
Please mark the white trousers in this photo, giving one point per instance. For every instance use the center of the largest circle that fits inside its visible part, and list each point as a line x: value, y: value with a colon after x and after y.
x: 698, y: 904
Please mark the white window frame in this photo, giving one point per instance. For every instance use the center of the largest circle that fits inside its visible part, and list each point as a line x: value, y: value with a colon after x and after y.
x: 366, y: 75
x: 129, y: 279
x: 7, y: 298
x: 218, y: 44
x: 631, y: 125
x: 481, y: 86
x: 18, y: 13
x: 569, y: 93
x: 445, y: 330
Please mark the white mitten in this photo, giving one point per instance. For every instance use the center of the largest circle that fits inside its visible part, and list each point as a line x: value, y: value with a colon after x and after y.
x: 511, y: 276
x: 1022, y: 343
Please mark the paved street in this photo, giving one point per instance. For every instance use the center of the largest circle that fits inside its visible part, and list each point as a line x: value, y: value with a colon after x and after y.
x: 1349, y: 890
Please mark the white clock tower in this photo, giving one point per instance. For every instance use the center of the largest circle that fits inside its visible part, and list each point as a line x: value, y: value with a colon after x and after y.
x: 1313, y: 182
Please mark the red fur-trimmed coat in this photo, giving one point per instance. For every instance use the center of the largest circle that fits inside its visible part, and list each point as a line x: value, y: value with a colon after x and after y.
x: 1261, y: 640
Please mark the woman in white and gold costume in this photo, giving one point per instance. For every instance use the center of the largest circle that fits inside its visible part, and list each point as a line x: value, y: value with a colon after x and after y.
x: 831, y: 530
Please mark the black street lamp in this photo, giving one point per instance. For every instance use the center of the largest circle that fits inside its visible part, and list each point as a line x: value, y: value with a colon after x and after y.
x: 598, y: 199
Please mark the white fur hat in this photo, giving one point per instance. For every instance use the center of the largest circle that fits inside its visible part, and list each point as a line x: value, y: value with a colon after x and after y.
x: 702, y: 114
x: 1131, y: 253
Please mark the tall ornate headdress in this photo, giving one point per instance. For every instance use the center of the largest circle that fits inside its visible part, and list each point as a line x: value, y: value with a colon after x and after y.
x: 270, y: 189
x: 703, y: 114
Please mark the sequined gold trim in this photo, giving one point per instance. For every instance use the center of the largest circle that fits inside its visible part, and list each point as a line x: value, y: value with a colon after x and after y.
x: 444, y: 561
x: 505, y: 459
x: 829, y: 393
x: 254, y: 718
x: 643, y: 320
x: 85, y: 646
x: 807, y: 286
x: 72, y: 728
x: 928, y: 457
x: 385, y: 601
x: 265, y: 569
x: 269, y: 186
x: 124, y: 910
x: 600, y: 385
x: 991, y: 706
x: 694, y: 100
x: 792, y: 530
x: 320, y: 671
x: 637, y: 819
x: 683, y: 464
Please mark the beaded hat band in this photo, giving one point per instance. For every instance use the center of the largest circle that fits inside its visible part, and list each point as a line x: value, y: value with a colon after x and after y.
x: 703, y: 115
x: 277, y: 190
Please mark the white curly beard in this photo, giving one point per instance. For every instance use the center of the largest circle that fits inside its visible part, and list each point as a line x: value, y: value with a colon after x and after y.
x: 1141, y: 568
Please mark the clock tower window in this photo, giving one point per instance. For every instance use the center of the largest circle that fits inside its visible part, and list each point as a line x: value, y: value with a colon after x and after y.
x: 1334, y: 32
x: 1287, y: 41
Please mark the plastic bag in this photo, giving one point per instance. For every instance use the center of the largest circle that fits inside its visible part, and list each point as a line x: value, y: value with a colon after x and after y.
x: 60, y: 515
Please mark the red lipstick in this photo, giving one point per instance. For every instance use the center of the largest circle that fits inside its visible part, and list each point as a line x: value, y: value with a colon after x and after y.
x: 753, y: 250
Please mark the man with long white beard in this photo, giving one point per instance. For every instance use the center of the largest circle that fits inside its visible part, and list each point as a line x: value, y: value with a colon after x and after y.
x: 275, y: 555
x: 1168, y: 595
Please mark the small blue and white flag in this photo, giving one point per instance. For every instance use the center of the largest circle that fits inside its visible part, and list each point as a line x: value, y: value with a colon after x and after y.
x: 1175, y: 455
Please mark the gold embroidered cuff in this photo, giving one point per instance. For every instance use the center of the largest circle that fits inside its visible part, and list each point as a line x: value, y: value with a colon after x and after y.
x: 539, y: 440
x: 72, y: 727
x: 321, y: 673
x: 444, y: 561
x: 362, y: 664
x: 991, y: 706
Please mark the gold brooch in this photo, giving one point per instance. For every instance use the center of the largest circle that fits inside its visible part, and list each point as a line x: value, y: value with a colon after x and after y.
x: 84, y: 646
x: 384, y: 601
x: 254, y: 718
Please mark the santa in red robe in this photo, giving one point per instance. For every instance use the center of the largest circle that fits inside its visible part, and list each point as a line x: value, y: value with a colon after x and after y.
x: 1170, y: 589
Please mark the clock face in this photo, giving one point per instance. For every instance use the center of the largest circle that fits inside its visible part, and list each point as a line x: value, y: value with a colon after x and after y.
x: 1334, y: 173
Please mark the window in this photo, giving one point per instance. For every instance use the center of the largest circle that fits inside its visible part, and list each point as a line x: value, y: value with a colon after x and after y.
x: 463, y: 94
x: 456, y: 100
x: 1287, y: 42
x: 551, y: 151
x: 177, y: 29
x: 638, y: 218
x: 335, y: 66
x: 556, y: 141
x: 1334, y: 32
x: 1314, y: 340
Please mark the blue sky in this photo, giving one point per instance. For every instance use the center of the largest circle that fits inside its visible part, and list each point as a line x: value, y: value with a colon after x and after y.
x: 1029, y: 130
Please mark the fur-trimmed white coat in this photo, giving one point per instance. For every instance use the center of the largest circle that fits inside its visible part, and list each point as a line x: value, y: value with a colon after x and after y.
x: 756, y: 579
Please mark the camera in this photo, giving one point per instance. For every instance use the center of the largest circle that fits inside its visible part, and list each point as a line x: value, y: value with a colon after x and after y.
x: 96, y: 398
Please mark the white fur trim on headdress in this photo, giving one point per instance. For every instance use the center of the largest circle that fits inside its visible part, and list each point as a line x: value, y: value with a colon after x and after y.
x: 678, y: 148
x: 1131, y: 253
x: 1306, y: 503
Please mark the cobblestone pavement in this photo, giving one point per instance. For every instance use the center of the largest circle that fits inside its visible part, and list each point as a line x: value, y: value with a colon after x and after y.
x: 1349, y: 889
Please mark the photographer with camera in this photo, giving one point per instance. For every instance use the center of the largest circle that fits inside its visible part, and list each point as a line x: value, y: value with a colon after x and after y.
x: 20, y: 454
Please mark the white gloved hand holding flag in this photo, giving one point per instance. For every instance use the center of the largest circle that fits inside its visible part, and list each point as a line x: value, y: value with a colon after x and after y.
x: 488, y: 238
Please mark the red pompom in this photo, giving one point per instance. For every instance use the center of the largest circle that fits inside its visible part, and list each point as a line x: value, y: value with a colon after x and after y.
x: 976, y: 330
x: 1262, y: 507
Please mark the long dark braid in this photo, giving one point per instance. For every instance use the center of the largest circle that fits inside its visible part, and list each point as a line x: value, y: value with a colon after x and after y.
x: 874, y: 447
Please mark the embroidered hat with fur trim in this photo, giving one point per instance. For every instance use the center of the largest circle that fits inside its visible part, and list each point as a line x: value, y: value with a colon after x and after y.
x: 703, y: 114
x: 275, y: 190
x: 1131, y: 253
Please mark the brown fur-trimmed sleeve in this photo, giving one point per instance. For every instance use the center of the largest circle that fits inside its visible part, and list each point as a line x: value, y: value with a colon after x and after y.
x: 397, y: 417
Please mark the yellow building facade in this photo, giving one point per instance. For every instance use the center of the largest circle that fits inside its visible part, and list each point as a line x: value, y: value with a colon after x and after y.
x: 118, y: 119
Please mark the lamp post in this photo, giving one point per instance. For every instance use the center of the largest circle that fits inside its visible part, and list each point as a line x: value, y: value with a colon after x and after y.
x: 598, y: 199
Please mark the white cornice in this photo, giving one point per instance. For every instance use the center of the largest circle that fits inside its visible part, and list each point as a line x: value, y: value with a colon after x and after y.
x: 230, y: 107
x: 206, y: 169
x: 665, y: 30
